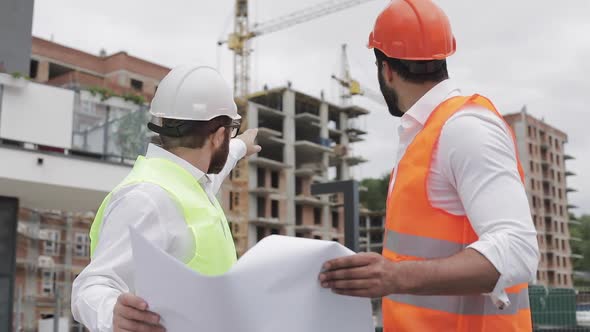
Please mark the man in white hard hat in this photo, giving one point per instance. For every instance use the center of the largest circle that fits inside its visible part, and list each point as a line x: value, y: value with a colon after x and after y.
x: 169, y: 197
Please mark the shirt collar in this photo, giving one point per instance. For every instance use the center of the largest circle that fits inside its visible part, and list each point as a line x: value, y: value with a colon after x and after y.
x: 155, y: 151
x: 422, y: 109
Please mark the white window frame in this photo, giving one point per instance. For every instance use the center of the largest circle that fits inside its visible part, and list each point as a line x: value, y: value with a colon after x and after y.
x: 81, y: 244
x: 51, y: 246
x: 47, y: 282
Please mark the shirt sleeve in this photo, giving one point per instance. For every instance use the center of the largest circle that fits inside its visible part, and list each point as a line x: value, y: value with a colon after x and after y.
x: 237, y: 151
x: 478, y: 156
x: 109, y: 274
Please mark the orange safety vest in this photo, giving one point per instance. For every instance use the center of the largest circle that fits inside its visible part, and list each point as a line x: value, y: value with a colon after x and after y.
x: 416, y: 230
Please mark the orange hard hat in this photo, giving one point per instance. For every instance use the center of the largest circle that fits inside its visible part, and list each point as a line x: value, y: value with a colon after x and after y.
x: 413, y: 30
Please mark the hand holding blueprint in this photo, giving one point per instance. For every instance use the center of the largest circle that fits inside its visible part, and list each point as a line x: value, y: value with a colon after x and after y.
x: 273, y: 287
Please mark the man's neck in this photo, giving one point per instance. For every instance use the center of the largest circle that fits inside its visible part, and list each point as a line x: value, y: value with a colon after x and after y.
x: 410, y: 93
x: 199, y: 158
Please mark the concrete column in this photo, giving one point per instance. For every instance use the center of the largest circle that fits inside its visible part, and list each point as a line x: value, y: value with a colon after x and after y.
x: 29, y: 309
x: 289, y: 157
x: 344, y: 142
x: 252, y: 122
x: 325, y: 134
x: 252, y: 118
x: 67, y: 296
x: 43, y: 71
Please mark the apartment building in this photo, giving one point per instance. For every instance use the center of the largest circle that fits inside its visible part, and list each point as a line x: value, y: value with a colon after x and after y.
x: 542, y: 154
x: 52, y: 249
x: 63, y: 66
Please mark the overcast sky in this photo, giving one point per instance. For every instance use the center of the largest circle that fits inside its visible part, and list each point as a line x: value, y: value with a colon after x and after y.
x: 525, y: 52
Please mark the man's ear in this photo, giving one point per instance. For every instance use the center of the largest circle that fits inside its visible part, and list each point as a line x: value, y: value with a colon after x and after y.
x: 388, y: 74
x: 218, y: 137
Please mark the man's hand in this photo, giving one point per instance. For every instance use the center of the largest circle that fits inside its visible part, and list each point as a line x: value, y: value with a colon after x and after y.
x: 131, y: 314
x: 249, y: 137
x: 363, y: 275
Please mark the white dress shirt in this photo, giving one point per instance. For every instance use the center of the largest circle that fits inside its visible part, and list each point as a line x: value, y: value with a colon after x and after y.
x: 474, y: 173
x: 149, y: 209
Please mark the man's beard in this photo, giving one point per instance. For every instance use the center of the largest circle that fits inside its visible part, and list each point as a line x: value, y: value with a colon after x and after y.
x: 390, y: 95
x: 219, y: 158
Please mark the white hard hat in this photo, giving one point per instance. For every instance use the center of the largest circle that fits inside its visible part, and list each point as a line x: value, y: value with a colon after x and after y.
x: 194, y: 92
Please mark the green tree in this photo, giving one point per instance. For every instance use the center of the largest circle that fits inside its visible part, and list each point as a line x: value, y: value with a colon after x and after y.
x: 373, y: 198
x: 131, y: 133
x: 581, y: 231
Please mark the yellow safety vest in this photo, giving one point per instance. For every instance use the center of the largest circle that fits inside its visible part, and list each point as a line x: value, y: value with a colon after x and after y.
x: 214, y: 253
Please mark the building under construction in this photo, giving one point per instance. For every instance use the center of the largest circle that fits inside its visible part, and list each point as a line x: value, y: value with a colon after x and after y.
x: 305, y: 140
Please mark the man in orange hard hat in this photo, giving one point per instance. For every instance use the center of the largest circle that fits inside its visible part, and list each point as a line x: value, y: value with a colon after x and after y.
x: 460, y: 245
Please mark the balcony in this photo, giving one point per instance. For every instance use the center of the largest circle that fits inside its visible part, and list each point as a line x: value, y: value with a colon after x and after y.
x: 355, y: 111
x: 270, y: 138
x: 267, y: 132
x: 310, y: 200
x: 308, y: 118
x: 313, y: 146
x: 571, y: 206
x: 333, y: 133
x: 355, y: 139
x: 569, y: 173
x: 264, y: 221
x: 308, y: 228
x: 264, y: 191
x: 266, y: 111
x: 342, y: 153
x: 268, y: 163
x: 46, y: 163
x: 355, y: 132
x: 309, y: 169
x: 571, y: 190
x: 568, y: 157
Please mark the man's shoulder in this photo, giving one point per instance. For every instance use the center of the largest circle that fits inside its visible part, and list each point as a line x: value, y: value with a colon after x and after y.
x: 475, y: 121
x: 147, y: 194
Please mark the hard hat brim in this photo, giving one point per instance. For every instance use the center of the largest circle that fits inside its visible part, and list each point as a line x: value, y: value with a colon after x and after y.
x: 164, y: 116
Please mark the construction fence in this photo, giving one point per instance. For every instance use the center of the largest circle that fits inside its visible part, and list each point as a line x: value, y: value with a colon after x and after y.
x: 560, y: 309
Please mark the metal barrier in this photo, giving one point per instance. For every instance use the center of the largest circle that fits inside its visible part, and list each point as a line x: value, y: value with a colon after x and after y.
x: 560, y: 309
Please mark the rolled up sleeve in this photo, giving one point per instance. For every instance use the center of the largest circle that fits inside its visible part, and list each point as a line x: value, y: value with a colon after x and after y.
x: 481, y: 163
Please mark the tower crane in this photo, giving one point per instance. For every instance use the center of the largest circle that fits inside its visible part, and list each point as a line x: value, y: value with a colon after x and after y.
x: 239, y: 40
x: 350, y: 87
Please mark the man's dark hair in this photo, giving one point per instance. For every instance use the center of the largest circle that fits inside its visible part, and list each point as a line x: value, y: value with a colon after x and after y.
x: 198, y: 134
x: 415, y: 71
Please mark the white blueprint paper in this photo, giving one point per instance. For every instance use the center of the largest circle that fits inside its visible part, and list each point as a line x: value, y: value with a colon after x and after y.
x: 274, y: 287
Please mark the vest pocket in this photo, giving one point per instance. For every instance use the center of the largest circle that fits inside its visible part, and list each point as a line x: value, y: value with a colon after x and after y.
x: 214, y: 253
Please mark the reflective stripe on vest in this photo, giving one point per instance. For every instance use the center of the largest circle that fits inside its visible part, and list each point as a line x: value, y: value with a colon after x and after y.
x: 419, y: 246
x: 466, y: 305
x: 415, y: 230
x: 214, y: 251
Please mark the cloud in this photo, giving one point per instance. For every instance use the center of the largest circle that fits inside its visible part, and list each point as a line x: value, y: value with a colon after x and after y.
x: 517, y: 52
